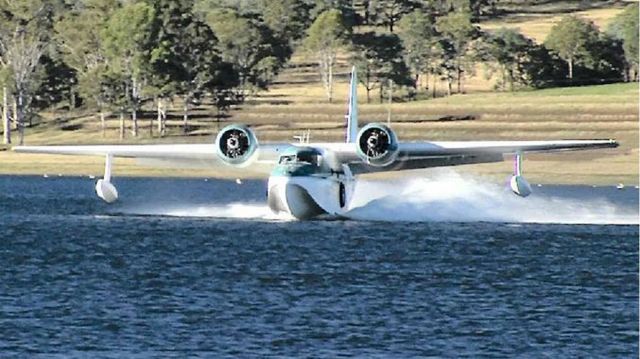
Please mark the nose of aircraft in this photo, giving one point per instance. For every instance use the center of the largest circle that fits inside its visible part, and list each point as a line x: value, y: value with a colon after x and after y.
x: 285, y: 195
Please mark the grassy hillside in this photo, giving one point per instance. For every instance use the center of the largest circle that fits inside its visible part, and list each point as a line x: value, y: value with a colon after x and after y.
x: 537, y: 25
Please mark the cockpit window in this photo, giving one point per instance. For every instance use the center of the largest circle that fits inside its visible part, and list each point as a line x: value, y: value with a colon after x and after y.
x: 301, y: 158
x: 285, y: 160
x: 307, y: 157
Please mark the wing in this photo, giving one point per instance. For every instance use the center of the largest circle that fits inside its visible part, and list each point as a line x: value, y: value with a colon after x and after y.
x: 413, y: 155
x: 173, y: 155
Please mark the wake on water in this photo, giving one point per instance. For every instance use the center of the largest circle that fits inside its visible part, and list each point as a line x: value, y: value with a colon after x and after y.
x: 444, y: 197
x: 451, y: 197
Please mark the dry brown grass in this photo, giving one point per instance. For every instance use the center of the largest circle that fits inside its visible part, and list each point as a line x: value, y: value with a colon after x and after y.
x: 538, y: 26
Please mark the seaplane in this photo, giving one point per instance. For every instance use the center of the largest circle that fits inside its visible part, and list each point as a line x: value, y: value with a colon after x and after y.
x: 307, y: 179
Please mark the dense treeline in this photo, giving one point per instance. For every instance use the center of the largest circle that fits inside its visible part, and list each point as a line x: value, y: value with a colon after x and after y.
x: 117, y: 55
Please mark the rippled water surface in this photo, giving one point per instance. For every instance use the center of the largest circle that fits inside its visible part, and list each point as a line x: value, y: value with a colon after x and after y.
x: 183, y: 268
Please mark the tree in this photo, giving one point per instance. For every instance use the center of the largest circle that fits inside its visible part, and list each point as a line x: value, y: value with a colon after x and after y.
x: 166, y: 70
x: 288, y: 19
x: 113, y: 88
x: 458, y: 32
x: 518, y: 61
x: 448, y: 65
x: 482, y: 7
x: 185, y: 59
x: 607, y: 61
x: 97, y: 86
x: 419, y: 40
x: 378, y: 59
x: 127, y: 45
x: 325, y: 37
x: 248, y: 46
x: 542, y: 68
x: 56, y: 81
x: 346, y: 9
x: 625, y: 27
x: 389, y: 12
x: 505, y: 52
x: 571, y: 39
x: 24, y: 31
x: 477, y: 8
x: 224, y: 80
x: 78, y: 35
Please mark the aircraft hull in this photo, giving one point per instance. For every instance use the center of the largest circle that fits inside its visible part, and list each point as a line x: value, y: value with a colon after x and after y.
x: 304, y: 197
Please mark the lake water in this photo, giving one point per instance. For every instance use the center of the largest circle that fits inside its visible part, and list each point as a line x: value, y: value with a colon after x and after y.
x: 446, y: 267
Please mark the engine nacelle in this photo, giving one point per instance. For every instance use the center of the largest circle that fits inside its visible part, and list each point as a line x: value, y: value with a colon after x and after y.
x: 377, y: 144
x: 236, y: 145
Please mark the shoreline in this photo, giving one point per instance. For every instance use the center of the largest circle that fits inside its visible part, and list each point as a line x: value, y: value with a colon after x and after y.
x: 230, y: 178
x: 538, y: 170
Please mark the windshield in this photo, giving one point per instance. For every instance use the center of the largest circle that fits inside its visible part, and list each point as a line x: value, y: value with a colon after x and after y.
x: 284, y: 160
x: 301, y: 158
x: 307, y: 157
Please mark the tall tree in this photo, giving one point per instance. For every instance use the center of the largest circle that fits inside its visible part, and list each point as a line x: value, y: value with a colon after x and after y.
x: 625, y: 27
x: 379, y: 60
x: 56, y: 82
x: 419, y: 39
x: 389, y: 12
x: 79, y: 37
x: 477, y: 8
x: 505, y: 52
x: 127, y: 44
x: 185, y: 59
x: 24, y: 33
x: 571, y: 39
x: 248, y: 45
x: 457, y: 30
x: 288, y: 19
x: 326, y: 36
x: 346, y: 9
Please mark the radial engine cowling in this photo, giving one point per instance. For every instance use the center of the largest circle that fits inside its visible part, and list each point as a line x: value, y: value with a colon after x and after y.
x: 236, y: 145
x: 377, y: 145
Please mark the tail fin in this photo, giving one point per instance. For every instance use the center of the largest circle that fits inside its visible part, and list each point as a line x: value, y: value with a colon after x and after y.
x: 352, y: 114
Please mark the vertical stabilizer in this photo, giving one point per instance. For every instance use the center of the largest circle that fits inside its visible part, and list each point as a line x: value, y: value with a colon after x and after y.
x: 352, y: 112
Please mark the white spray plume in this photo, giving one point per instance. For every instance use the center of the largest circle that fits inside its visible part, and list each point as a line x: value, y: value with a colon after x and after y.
x: 441, y: 196
x: 230, y: 210
x: 447, y: 196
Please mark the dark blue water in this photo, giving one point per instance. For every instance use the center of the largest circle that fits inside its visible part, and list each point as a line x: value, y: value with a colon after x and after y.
x: 79, y: 278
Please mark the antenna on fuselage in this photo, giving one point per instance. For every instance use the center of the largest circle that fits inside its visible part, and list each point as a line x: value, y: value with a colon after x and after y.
x: 304, y: 137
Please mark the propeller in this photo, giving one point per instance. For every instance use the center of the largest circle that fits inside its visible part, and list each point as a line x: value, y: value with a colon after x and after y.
x: 377, y: 142
x: 234, y: 143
